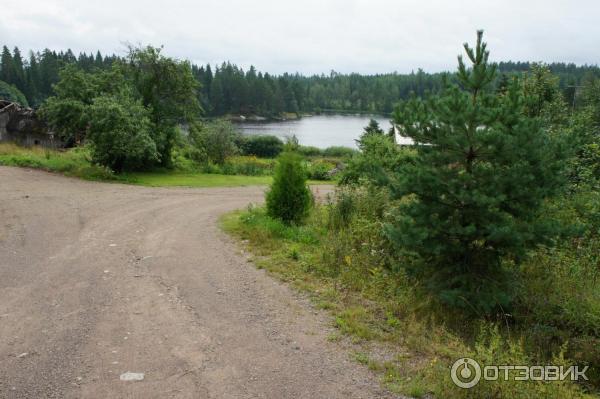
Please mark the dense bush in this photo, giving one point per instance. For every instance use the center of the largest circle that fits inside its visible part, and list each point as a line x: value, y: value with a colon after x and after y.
x: 319, y: 169
x: 120, y: 134
x: 289, y: 198
x: 339, y: 152
x: 216, y: 139
x: 67, y: 111
x: 584, y: 129
x: 309, y: 151
x: 262, y: 146
x: 379, y: 158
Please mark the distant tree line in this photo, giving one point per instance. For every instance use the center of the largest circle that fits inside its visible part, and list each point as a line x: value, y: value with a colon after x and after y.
x: 35, y: 74
x: 228, y: 89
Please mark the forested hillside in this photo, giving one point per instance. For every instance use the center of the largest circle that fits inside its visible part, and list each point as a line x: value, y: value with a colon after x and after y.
x: 229, y: 89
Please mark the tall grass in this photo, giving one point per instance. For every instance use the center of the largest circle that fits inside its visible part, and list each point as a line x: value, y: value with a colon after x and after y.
x: 74, y: 162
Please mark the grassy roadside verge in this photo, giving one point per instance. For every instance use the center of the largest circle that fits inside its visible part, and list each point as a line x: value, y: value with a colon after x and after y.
x: 400, y: 335
x: 186, y: 179
x: 294, y: 255
x: 76, y: 163
x: 73, y: 163
x: 175, y: 179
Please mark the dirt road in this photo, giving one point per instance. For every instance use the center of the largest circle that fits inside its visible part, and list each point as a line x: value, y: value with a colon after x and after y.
x: 101, y: 279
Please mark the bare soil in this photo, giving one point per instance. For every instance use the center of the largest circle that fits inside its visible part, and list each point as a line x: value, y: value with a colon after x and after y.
x: 97, y: 280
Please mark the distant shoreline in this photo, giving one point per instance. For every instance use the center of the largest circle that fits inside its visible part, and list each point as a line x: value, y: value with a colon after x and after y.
x: 292, y: 116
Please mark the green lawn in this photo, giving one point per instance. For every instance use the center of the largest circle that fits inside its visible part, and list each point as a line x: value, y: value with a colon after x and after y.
x: 171, y: 179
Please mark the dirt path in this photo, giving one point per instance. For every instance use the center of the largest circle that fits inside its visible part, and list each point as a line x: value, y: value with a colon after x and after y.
x: 100, y: 279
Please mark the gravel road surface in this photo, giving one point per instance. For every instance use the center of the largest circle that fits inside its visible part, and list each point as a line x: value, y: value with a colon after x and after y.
x: 98, y: 280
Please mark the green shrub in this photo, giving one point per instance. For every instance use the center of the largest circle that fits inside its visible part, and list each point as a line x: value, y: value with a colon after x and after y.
x: 379, y: 157
x: 292, y: 144
x: 120, y: 134
x: 289, y: 198
x: 309, y: 151
x: 67, y: 112
x: 586, y: 167
x: 262, y: 146
x: 182, y: 159
x: 212, y: 168
x: 338, y: 151
x: 216, y: 139
x: 319, y: 169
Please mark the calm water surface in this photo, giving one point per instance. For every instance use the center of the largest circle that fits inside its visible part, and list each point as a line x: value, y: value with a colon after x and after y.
x: 320, y: 130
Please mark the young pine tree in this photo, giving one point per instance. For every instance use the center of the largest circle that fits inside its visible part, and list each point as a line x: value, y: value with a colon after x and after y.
x: 476, y: 188
x: 289, y: 198
x: 373, y: 128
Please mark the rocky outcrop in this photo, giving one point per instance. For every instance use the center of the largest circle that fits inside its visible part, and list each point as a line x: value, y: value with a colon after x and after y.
x: 21, y: 125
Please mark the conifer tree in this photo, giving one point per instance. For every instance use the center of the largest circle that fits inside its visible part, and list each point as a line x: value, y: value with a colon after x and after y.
x: 217, y: 100
x: 18, y: 70
x: 7, y: 68
x: 289, y: 198
x: 373, y: 128
x: 474, y: 192
x: 98, y: 63
x: 32, y: 78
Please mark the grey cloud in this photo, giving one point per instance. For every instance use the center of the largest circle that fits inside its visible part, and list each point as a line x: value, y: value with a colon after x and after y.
x: 367, y: 36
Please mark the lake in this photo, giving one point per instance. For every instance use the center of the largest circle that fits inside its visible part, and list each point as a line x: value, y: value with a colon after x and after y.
x: 320, y: 131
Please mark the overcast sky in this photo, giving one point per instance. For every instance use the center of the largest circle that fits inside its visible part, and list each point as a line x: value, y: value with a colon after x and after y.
x: 313, y: 36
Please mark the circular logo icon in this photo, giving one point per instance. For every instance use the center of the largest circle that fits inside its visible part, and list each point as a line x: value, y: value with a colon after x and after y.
x: 465, y: 373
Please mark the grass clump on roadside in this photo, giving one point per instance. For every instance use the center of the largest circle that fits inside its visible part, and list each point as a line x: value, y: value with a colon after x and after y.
x: 340, y: 258
x: 75, y: 162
